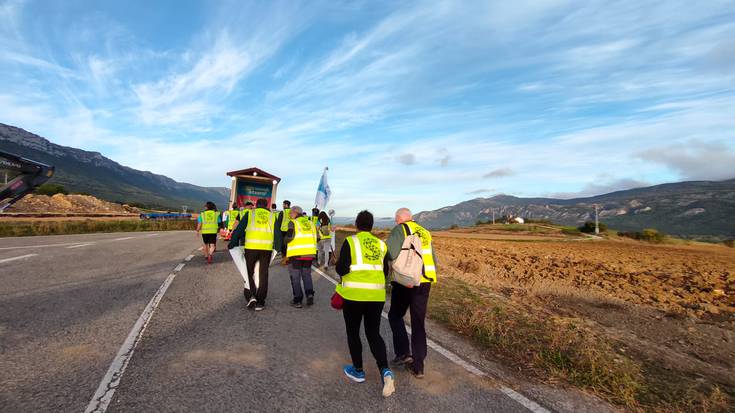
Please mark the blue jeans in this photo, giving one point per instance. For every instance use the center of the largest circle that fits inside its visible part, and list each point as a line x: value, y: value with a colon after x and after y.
x: 300, y: 271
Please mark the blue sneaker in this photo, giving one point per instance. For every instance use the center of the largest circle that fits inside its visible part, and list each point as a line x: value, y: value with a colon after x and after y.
x: 352, y: 373
x: 389, y: 382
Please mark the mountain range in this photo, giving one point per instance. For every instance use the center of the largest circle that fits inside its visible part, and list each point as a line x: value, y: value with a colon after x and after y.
x: 695, y: 209
x: 82, y: 171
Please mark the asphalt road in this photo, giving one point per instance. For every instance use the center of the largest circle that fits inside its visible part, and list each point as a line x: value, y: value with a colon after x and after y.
x: 65, y: 312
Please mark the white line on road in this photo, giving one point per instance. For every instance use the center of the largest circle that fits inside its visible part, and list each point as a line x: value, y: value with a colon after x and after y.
x: 38, y: 246
x: 17, y: 258
x: 80, y: 245
x: 187, y: 259
x: 123, y: 238
x: 519, y: 398
x: 179, y: 267
x: 103, y: 396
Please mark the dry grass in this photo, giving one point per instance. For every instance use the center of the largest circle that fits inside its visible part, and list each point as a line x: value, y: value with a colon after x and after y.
x: 554, y: 348
x: 45, y: 227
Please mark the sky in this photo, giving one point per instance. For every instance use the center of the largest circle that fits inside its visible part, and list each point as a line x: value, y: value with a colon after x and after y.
x: 417, y: 104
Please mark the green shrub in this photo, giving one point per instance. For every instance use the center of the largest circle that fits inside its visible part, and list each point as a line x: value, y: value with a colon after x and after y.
x: 589, y: 227
x: 51, y: 189
x: 41, y: 227
x: 570, y: 231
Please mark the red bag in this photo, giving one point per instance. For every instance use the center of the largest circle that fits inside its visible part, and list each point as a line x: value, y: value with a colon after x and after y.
x: 337, y: 301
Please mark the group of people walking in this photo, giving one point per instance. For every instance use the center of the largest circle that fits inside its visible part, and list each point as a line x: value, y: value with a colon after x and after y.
x: 364, y: 265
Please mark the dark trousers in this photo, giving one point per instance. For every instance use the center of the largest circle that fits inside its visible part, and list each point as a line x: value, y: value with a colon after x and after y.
x: 263, y: 259
x: 354, y: 312
x: 300, y: 271
x: 415, y: 300
x: 283, y: 244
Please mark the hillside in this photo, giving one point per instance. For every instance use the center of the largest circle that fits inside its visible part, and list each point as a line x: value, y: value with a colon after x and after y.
x: 689, y: 209
x: 89, y: 172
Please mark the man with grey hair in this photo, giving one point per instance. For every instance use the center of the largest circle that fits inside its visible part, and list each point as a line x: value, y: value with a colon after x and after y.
x: 410, y: 299
x: 300, y: 241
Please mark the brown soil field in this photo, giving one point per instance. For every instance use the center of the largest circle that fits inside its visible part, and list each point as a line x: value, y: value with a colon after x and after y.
x: 670, y: 306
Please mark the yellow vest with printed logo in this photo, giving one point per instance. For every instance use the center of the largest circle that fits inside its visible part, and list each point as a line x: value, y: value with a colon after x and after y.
x: 366, y: 280
x: 427, y: 251
x: 304, y: 241
x: 259, y: 231
x: 209, y: 222
x: 233, y: 216
x: 286, y: 219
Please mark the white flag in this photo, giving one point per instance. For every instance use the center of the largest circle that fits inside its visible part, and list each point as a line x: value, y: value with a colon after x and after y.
x: 323, y: 193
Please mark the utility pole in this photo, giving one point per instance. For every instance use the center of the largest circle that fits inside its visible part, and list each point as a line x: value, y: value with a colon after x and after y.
x: 597, y: 220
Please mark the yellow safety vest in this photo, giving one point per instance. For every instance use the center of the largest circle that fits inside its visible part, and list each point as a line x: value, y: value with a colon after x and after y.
x: 286, y: 219
x: 329, y: 235
x: 233, y: 216
x: 315, y: 221
x: 366, y: 280
x: 259, y: 232
x: 304, y: 241
x: 426, y: 251
x: 209, y: 222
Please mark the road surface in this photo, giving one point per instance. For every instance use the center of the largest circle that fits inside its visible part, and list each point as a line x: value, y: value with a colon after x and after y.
x: 68, y: 303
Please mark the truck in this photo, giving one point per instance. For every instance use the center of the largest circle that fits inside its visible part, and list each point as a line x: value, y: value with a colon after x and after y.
x: 252, y: 184
x: 20, y: 176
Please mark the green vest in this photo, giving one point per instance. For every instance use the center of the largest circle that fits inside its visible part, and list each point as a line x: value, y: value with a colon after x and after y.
x: 366, y: 280
x: 209, y: 222
x: 315, y: 221
x: 426, y: 251
x: 286, y: 219
x: 259, y: 232
x: 233, y: 216
x: 304, y: 241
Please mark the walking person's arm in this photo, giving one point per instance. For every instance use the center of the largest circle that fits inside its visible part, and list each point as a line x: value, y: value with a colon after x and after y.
x: 238, y: 235
x: 345, y: 259
x: 395, y: 242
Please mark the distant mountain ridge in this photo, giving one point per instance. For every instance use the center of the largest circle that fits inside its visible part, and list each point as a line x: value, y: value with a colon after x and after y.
x: 91, y: 172
x: 698, y: 209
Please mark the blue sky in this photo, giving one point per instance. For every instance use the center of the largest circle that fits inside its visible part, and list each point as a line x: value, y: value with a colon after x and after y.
x: 418, y: 104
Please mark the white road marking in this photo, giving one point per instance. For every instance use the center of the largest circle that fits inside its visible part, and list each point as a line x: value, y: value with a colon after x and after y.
x: 17, y: 258
x: 123, y: 238
x: 38, y: 246
x: 179, y: 267
x: 80, y: 245
x: 103, y: 396
x: 187, y: 259
x: 519, y: 398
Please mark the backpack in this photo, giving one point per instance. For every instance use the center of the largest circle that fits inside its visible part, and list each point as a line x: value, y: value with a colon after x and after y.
x: 408, y: 267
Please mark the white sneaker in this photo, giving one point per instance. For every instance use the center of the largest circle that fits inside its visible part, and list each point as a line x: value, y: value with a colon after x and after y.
x: 389, y: 383
x: 252, y: 302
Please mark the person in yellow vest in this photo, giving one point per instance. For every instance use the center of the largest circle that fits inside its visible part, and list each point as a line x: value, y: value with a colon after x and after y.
x: 284, y: 217
x: 257, y: 232
x: 208, y: 224
x: 315, y: 217
x: 324, y: 239
x: 300, y: 240
x: 413, y: 300
x: 363, y: 268
x: 233, y: 217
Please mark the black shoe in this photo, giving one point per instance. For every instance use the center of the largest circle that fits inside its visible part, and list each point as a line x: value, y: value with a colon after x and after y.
x: 310, y: 300
x: 402, y: 360
x: 419, y: 374
x: 259, y: 307
x: 252, y: 303
x: 296, y: 304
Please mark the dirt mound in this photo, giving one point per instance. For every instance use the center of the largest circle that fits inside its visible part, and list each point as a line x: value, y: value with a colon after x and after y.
x: 78, y: 204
